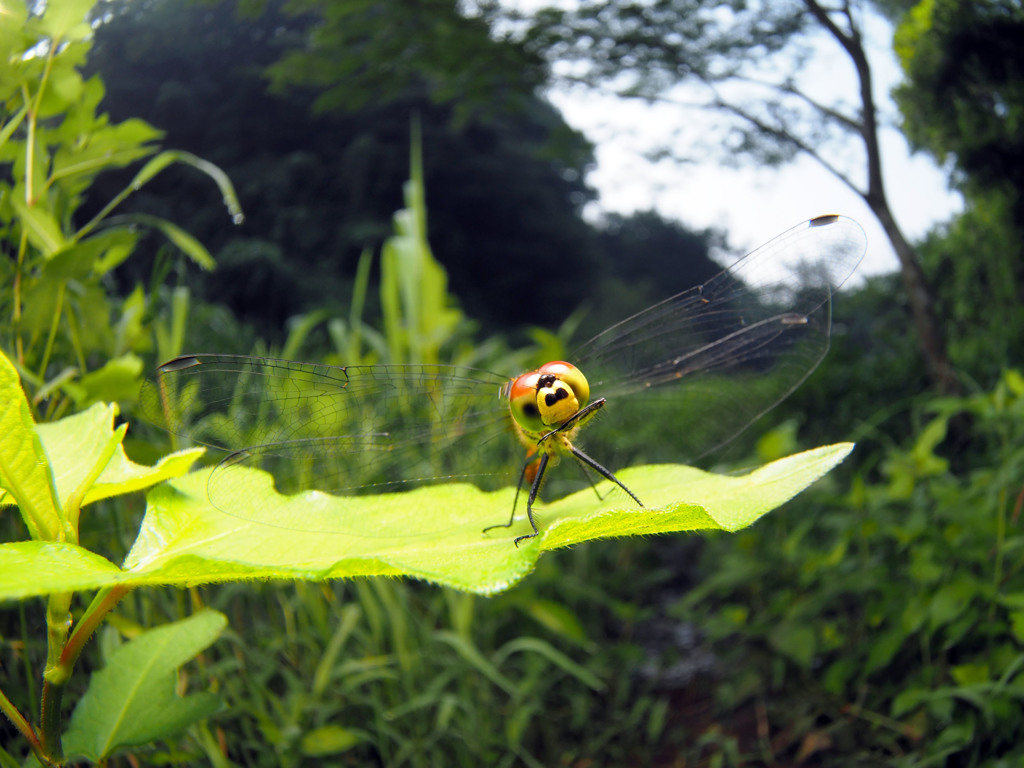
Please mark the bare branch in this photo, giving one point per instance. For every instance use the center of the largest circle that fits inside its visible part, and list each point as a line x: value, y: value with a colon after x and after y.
x: 790, y: 90
x: 785, y: 136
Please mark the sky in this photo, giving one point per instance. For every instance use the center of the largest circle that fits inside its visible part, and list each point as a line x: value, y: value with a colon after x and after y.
x: 751, y: 204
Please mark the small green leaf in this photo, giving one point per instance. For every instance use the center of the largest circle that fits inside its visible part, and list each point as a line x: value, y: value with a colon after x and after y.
x: 25, y: 476
x: 188, y: 244
x: 1017, y: 625
x: 908, y: 701
x: 796, y: 641
x: 117, y: 381
x: 557, y: 618
x: 15, y: 120
x: 132, y: 700
x: 883, y: 648
x: 72, y: 262
x: 971, y: 674
x: 64, y: 87
x: 951, y: 600
x: 118, y: 245
x: 955, y: 736
x: 67, y: 19
x: 42, y: 229
x: 328, y: 740
x: 108, y: 146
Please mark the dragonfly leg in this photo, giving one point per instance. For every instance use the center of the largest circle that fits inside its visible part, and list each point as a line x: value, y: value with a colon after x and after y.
x: 519, y: 487
x: 586, y: 461
x: 534, y: 490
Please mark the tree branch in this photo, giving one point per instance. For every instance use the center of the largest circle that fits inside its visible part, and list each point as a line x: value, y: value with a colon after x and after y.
x: 787, y: 137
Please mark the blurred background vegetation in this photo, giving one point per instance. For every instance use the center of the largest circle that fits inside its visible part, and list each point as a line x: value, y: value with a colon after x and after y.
x: 878, y: 620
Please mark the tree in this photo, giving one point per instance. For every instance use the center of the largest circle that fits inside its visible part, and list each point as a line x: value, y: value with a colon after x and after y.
x: 747, y: 60
x: 963, y: 101
x: 963, y: 98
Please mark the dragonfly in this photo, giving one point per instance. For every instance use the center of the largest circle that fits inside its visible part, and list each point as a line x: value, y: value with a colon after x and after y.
x: 712, y: 359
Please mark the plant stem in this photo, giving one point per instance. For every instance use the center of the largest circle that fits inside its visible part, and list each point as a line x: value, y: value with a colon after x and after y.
x: 58, y: 624
x: 33, y: 115
x: 16, y: 311
x: 54, y: 325
x: 60, y: 665
x: 94, y: 615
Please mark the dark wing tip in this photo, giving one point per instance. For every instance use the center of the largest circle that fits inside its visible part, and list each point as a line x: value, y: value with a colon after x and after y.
x: 179, y: 364
x: 824, y: 221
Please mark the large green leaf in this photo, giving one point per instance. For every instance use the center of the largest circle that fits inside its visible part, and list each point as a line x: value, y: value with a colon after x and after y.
x: 433, y: 533
x: 132, y: 700
x: 27, y: 565
x: 25, y: 478
x: 85, y: 450
x: 51, y: 470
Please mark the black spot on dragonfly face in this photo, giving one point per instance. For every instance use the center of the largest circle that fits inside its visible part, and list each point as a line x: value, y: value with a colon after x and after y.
x: 553, y: 397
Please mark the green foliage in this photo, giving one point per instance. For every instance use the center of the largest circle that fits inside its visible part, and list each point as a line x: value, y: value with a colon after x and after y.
x: 963, y: 101
x: 864, y: 385
x: 132, y: 701
x: 506, y: 181
x: 73, y: 345
x: 964, y: 93
x: 345, y: 57
x: 976, y: 261
x: 51, y: 471
x: 418, y: 316
x: 880, y: 625
x: 892, y: 627
x: 378, y: 672
x: 53, y: 145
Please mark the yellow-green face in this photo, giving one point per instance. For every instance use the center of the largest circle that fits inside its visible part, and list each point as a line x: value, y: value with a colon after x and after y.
x: 544, y: 399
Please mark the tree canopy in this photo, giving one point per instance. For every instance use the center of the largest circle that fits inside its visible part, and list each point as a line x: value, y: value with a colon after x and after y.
x: 963, y: 101
x: 963, y: 98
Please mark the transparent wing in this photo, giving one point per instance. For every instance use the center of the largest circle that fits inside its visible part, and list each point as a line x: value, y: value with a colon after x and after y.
x: 339, y: 430
x: 737, y: 345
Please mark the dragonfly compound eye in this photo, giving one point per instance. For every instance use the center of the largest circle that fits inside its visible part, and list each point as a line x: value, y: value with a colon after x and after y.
x: 572, y: 377
x: 544, y: 399
x: 522, y: 401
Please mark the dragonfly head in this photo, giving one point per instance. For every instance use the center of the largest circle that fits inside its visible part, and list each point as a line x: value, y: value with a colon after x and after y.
x: 546, y: 398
